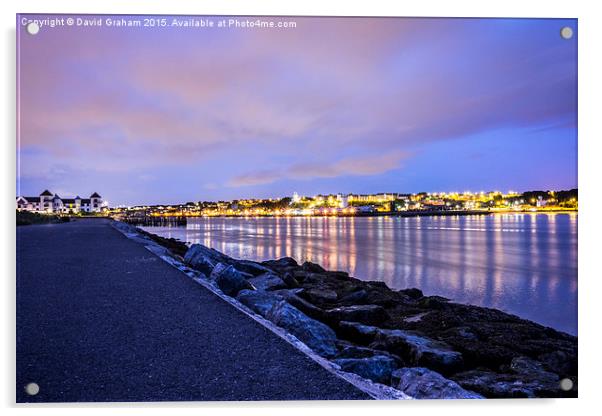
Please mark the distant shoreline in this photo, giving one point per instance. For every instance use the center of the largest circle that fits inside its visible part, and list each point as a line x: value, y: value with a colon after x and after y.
x: 147, y: 219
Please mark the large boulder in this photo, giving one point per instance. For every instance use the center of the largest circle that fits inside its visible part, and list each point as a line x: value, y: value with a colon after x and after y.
x: 291, y: 296
x: 383, y: 297
x: 308, y: 266
x: 337, y: 274
x: 259, y: 302
x: 314, y: 334
x: 204, y: 258
x: 412, y: 293
x: 377, y: 368
x: 350, y: 350
x: 319, y: 295
x: 422, y: 383
x: 358, y: 333
x: 433, y: 302
x: 251, y: 267
x: 496, y: 385
x: 418, y: 350
x: 290, y: 280
x: 560, y: 362
x: 415, y: 349
x: 267, y: 281
x: 531, y: 368
x: 229, y: 280
x: 281, y: 263
x: 357, y: 297
x: 219, y: 268
x: 365, y: 314
x: 300, y: 275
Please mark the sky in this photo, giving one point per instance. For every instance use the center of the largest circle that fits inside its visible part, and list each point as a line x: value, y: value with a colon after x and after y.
x: 158, y: 115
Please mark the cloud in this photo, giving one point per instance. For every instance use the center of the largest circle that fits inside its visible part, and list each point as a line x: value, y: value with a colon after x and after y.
x: 355, y: 166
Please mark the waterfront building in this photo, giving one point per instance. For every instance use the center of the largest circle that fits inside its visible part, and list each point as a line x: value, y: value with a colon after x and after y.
x: 373, y: 198
x: 47, y: 202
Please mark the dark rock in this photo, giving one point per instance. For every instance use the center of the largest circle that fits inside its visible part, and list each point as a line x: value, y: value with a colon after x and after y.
x: 377, y: 368
x: 314, y: 334
x: 358, y: 297
x: 433, y: 302
x: 176, y: 247
x: 382, y: 297
x: 533, y: 369
x: 356, y: 332
x: 290, y: 291
x: 290, y: 280
x: 315, y: 279
x: 349, y: 350
x: 204, y: 258
x: 466, y: 333
x: 308, y: 266
x: 419, y: 350
x: 245, y: 274
x: 229, y: 280
x: 281, y: 263
x: 259, y: 302
x: 422, y: 383
x: 365, y: 314
x: 219, y: 268
x: 460, y: 332
x: 559, y: 361
x: 495, y: 385
x: 250, y: 267
x: 377, y: 284
x: 320, y: 296
x: 267, y: 281
x: 412, y: 293
x: 299, y: 275
x: 291, y: 269
x: 339, y: 275
x: 291, y: 296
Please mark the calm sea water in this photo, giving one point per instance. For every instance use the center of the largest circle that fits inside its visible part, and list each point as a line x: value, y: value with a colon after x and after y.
x: 525, y: 264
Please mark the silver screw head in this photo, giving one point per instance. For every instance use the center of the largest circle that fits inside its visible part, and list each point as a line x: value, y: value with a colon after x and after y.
x: 566, y: 32
x: 33, y: 28
x: 32, y: 389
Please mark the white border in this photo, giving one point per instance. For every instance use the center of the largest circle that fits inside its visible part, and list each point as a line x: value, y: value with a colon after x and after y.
x: 590, y: 68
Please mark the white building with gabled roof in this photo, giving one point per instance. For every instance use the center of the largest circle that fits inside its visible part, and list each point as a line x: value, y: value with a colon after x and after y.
x: 52, y: 203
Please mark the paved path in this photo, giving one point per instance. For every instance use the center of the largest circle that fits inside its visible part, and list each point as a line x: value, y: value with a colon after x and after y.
x: 100, y: 318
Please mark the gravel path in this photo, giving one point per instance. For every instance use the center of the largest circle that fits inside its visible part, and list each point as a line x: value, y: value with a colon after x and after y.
x: 100, y: 318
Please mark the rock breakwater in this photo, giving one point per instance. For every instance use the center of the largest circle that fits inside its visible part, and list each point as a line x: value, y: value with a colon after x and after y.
x: 424, y: 346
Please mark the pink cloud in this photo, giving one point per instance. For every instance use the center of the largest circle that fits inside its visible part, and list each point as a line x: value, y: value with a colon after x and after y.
x: 353, y: 166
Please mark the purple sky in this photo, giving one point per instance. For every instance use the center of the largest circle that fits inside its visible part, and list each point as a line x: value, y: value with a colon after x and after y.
x: 165, y: 115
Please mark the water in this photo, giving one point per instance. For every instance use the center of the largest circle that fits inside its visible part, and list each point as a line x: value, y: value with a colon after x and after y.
x: 525, y: 264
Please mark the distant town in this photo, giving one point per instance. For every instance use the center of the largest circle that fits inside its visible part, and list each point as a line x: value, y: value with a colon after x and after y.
x: 320, y: 205
x: 365, y: 204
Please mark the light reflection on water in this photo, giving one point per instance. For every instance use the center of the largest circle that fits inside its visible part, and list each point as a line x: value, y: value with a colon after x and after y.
x: 525, y: 264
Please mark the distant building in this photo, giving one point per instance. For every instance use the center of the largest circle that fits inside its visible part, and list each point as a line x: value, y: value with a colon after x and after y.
x: 541, y: 202
x: 53, y: 203
x: 343, y: 201
x: 372, y: 198
x: 296, y: 197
